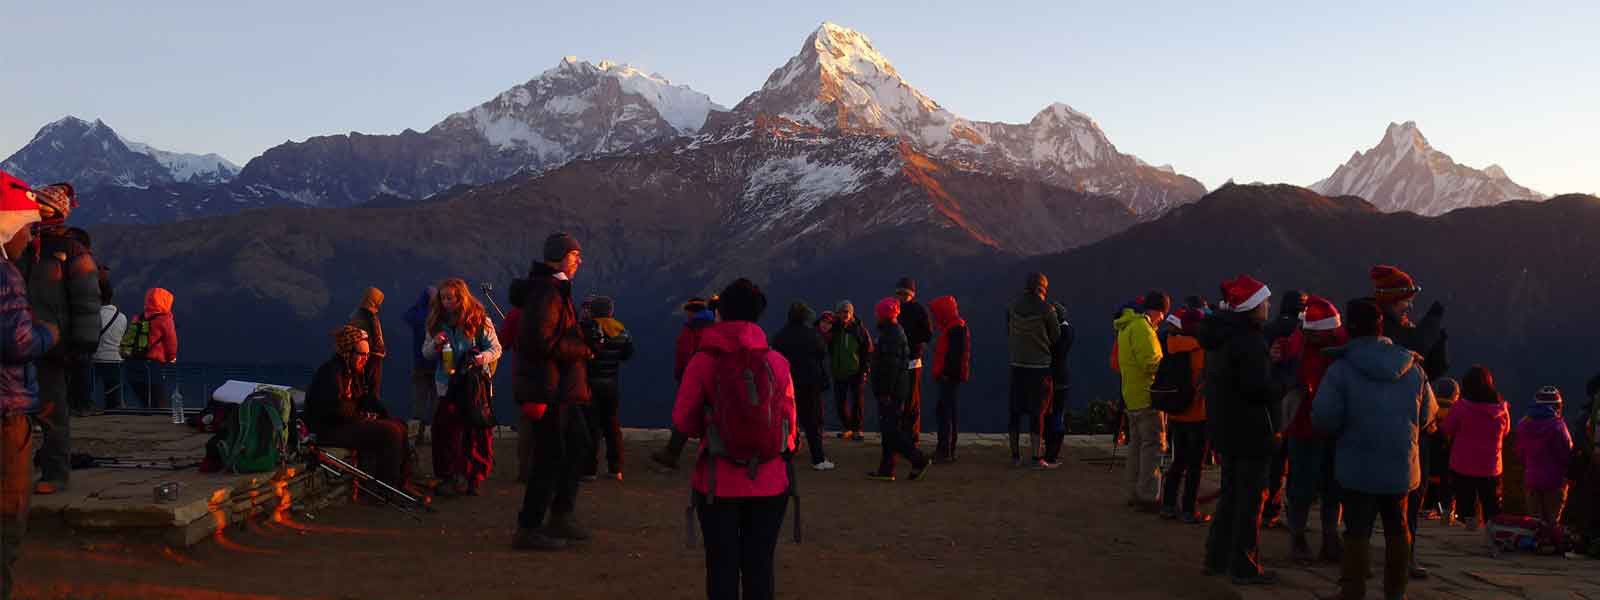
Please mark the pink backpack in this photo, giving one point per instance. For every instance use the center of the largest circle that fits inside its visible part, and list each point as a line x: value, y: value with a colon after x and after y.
x: 744, y: 424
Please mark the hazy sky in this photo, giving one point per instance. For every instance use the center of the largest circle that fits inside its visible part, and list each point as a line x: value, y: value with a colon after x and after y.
x: 1251, y: 91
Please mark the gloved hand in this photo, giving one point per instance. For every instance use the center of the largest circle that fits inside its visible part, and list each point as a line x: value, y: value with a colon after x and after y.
x: 1436, y: 309
x: 534, y: 411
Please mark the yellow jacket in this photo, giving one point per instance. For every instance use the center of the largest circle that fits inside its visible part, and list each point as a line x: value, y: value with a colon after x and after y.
x: 1138, y: 356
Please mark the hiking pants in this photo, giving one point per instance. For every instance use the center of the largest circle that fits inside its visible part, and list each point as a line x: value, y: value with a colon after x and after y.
x: 55, y: 419
x: 1311, y: 480
x: 1414, y: 500
x: 1147, y: 431
x: 1233, y: 545
x: 560, y: 440
x: 109, y: 374
x: 80, y: 385
x: 808, y: 409
x: 16, y: 489
x: 949, y: 411
x: 848, y: 399
x: 604, y: 425
x: 1182, y: 482
x: 1055, y: 424
x: 913, y: 410
x: 1470, y: 491
x: 895, y: 425
x: 459, y: 449
x: 741, y: 539
x: 382, y: 441
x: 1361, y: 509
x: 1030, y: 397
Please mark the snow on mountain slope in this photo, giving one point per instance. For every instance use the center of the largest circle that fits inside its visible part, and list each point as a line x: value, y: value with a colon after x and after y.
x: 1405, y: 173
x: 195, y: 168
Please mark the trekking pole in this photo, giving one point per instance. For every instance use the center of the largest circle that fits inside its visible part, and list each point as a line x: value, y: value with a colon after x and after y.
x: 334, y: 463
x: 488, y: 294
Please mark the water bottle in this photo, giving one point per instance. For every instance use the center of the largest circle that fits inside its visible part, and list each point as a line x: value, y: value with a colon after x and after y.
x: 449, y: 355
x: 177, y: 407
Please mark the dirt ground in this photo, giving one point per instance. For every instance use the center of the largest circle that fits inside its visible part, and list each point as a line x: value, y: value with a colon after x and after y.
x: 976, y: 529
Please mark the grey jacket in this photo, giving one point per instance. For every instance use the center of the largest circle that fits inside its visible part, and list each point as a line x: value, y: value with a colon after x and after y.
x: 1034, y: 328
x: 1375, y: 400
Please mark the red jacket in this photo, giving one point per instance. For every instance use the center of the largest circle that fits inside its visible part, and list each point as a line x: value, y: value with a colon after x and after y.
x: 163, y: 331
x: 688, y: 343
x: 689, y: 414
x: 1314, y: 364
x: 952, y: 352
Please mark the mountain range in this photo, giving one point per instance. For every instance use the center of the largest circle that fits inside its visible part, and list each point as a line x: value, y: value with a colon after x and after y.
x: 1405, y: 173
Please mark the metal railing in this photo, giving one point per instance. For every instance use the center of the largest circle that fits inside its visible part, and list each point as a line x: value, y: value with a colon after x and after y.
x: 194, y: 382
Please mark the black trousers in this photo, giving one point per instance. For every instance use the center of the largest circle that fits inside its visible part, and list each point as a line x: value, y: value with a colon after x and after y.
x: 1234, y: 544
x: 913, y: 410
x: 560, y: 440
x: 895, y: 425
x: 808, y: 409
x: 1188, y: 451
x: 110, y: 376
x: 1472, y: 490
x: 1362, y: 509
x: 849, y: 400
x: 1030, y: 398
x: 949, y: 412
x: 1277, y: 473
x: 382, y: 441
x: 604, y: 425
x: 741, y: 539
x: 1055, y: 425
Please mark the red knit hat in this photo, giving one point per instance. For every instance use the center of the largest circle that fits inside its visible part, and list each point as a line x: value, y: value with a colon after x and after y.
x: 1320, y: 315
x: 1244, y: 293
x: 888, y: 309
x: 1186, y: 319
x: 1392, y: 285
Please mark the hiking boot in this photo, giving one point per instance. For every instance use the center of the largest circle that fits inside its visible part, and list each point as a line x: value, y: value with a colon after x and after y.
x: 844, y: 435
x: 532, y: 539
x: 825, y: 465
x: 566, y: 527
x: 876, y: 476
x: 666, y: 459
x: 1045, y: 465
x: 1300, y: 548
x: 616, y: 475
x: 46, y: 488
x: 1194, y: 518
x: 859, y: 437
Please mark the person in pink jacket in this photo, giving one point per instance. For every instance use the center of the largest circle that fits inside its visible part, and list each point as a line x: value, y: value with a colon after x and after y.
x: 1546, y: 448
x: 741, y: 517
x: 1479, y: 426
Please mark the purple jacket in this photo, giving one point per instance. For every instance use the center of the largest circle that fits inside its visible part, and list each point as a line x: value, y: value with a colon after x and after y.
x: 1546, y: 447
x: 25, y: 341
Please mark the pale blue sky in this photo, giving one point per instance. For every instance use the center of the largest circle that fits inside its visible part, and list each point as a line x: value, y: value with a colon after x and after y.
x: 1252, y: 91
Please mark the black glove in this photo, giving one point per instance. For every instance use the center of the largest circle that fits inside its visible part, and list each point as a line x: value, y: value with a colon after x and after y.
x: 1436, y: 309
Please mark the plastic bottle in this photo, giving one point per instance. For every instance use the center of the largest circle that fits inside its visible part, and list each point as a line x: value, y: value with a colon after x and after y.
x: 449, y: 355
x: 177, y: 407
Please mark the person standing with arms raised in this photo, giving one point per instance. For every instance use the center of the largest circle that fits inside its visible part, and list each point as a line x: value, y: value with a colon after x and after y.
x: 552, y: 386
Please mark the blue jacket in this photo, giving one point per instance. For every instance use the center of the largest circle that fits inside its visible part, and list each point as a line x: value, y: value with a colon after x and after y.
x: 417, y: 318
x: 25, y: 341
x: 1375, y: 400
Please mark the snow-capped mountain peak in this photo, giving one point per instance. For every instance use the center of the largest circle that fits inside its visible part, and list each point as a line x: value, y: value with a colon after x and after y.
x: 193, y: 168
x: 1405, y: 173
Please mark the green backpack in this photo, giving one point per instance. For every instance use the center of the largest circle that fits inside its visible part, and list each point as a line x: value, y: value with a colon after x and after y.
x: 135, y: 340
x: 253, y: 441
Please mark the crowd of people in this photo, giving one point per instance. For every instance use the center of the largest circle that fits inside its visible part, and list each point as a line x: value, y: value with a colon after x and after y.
x: 1351, y: 409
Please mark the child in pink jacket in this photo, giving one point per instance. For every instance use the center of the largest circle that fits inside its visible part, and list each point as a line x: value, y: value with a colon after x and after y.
x: 741, y: 517
x: 1478, y: 425
x: 1546, y: 447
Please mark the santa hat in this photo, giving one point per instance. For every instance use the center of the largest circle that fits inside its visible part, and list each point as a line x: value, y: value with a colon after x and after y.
x: 1392, y: 285
x: 1320, y: 315
x: 888, y: 309
x: 19, y: 206
x: 1244, y: 294
x: 1186, y: 319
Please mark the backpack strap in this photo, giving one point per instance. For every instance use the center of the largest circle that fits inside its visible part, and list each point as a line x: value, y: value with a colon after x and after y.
x: 107, y: 326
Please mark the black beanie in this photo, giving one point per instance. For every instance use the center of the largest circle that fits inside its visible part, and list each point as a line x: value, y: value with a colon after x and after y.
x: 558, y: 245
x: 742, y: 300
x: 906, y: 283
x: 1158, y: 300
x: 1363, y: 318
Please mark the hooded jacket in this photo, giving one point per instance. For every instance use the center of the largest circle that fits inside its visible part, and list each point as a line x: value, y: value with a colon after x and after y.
x: 1033, y: 329
x: 1242, y: 390
x: 1138, y: 356
x: 1314, y: 360
x: 914, y: 318
x: 1545, y: 445
x: 951, y: 352
x: 891, y: 381
x: 417, y: 318
x: 1478, y: 431
x: 64, y: 289
x: 552, y: 355
x: 689, y: 341
x: 689, y: 412
x: 1178, y: 343
x: 857, y: 364
x: 1059, y: 353
x: 801, y: 344
x: 366, y: 319
x: 1376, y: 400
x: 612, y: 346
x: 26, y: 340
x: 163, y: 330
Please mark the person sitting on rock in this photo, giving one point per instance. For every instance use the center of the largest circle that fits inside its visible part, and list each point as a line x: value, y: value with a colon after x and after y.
x: 343, y: 412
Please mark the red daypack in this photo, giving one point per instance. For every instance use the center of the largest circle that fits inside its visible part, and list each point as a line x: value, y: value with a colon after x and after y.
x: 744, y: 424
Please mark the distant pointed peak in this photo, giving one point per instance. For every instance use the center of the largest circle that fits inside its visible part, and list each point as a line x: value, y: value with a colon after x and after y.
x: 1496, y: 172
